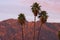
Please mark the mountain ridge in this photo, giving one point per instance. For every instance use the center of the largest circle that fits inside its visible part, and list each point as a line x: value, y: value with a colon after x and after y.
x: 11, y: 30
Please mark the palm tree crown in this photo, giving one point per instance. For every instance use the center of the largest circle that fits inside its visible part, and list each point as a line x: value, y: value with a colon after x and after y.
x: 21, y: 18
x: 43, y: 16
x: 35, y: 8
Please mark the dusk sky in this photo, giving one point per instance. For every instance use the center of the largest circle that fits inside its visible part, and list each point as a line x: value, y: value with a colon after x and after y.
x: 12, y: 8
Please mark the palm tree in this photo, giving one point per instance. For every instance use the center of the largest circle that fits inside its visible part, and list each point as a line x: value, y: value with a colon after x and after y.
x: 35, y: 9
x: 21, y: 20
x: 59, y: 35
x: 43, y: 18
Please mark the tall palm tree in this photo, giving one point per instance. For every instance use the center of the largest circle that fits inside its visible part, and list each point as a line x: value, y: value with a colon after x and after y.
x: 43, y: 18
x: 35, y: 9
x: 21, y: 20
x: 59, y: 35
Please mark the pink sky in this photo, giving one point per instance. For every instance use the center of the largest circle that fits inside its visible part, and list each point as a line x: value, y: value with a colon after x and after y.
x: 11, y: 9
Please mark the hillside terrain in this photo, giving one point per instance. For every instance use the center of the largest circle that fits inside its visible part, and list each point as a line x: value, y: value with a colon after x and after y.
x: 11, y: 30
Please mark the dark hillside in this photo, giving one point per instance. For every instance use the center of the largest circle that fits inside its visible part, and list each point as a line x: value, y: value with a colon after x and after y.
x: 11, y: 30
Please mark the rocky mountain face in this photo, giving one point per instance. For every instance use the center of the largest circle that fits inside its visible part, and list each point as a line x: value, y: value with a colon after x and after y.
x: 11, y: 30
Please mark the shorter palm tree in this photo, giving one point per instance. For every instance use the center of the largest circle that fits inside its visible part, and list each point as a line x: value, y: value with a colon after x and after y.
x: 43, y: 18
x: 59, y: 35
x: 21, y: 20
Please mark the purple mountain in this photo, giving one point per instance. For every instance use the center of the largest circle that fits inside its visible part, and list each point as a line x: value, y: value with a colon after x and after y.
x: 11, y: 30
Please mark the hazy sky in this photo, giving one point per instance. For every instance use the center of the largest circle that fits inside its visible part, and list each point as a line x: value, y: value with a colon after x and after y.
x: 11, y: 9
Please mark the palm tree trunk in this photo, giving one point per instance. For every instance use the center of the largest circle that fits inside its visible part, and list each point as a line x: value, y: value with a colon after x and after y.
x: 59, y: 35
x: 34, y: 27
x: 22, y: 34
x: 39, y: 32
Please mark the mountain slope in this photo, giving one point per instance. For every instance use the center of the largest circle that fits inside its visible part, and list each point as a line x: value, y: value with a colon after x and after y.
x: 11, y: 30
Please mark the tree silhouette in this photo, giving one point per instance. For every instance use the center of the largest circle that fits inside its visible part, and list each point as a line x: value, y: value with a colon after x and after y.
x: 59, y: 35
x: 21, y: 20
x: 43, y: 18
x: 35, y: 9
